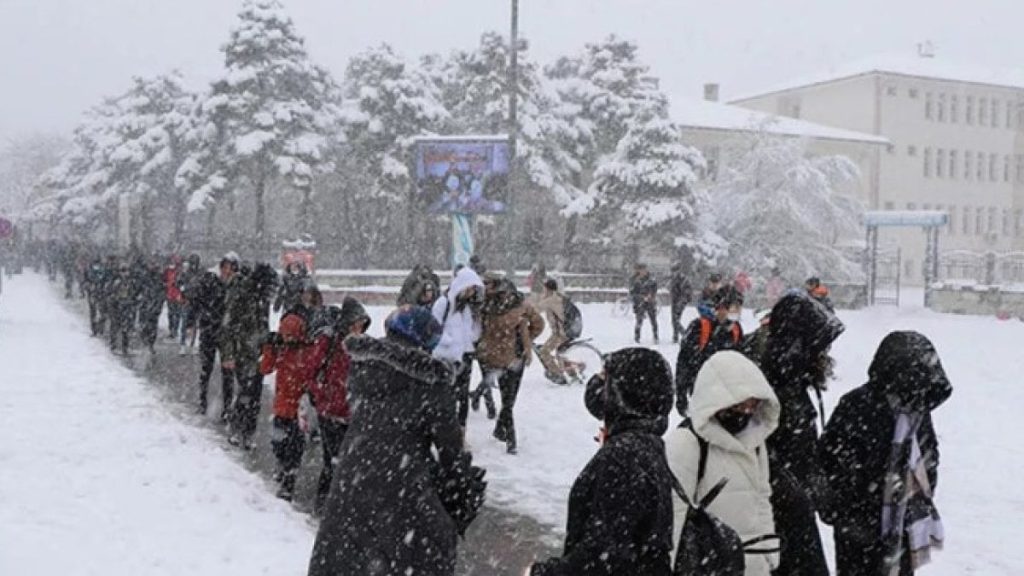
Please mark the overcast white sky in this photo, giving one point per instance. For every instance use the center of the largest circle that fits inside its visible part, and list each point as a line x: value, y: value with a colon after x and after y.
x: 58, y: 57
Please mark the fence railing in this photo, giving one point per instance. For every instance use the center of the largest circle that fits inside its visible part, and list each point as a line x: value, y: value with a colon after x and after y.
x: 986, y: 268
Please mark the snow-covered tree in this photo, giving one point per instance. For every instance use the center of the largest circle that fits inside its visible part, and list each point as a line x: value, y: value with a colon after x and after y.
x: 23, y: 161
x: 776, y: 205
x: 645, y: 190
x: 272, y: 111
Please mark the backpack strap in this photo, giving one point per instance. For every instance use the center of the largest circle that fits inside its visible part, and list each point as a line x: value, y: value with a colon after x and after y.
x: 705, y: 333
x: 737, y: 334
x: 760, y: 540
x: 702, y: 464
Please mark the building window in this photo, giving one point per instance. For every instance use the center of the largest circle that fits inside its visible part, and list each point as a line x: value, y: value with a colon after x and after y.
x: 953, y: 161
x: 929, y: 106
x: 993, y: 172
x: 927, y: 162
x: 926, y: 207
x: 942, y: 108
x: 995, y: 113
x: 981, y: 166
x: 992, y: 212
x: 982, y: 112
x: 969, y: 113
x: 912, y: 151
x: 966, y: 228
x: 1009, y: 115
x: 940, y: 163
x: 911, y: 206
x: 890, y: 90
x: 913, y: 93
x: 1006, y: 168
x: 954, y: 112
x: 952, y: 220
x: 979, y: 221
x: 1020, y: 115
x: 890, y: 206
x: 1020, y: 169
x: 1018, y: 222
x: 890, y: 148
x: 1006, y: 222
x: 968, y: 165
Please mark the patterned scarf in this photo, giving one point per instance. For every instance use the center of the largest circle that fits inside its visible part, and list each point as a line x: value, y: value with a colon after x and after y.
x: 910, y: 520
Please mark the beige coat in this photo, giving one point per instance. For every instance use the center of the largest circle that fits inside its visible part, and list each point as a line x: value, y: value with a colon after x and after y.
x: 725, y: 380
x: 497, y: 346
x: 553, y: 309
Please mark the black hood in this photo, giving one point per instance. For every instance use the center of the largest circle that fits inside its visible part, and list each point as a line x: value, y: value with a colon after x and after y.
x: 506, y: 297
x: 382, y: 355
x: 638, y: 389
x: 332, y: 320
x: 352, y: 311
x: 907, y: 368
x: 800, y: 330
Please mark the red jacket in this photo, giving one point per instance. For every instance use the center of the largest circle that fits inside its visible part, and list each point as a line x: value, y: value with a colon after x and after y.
x: 330, y: 393
x: 291, y: 361
x: 171, y: 285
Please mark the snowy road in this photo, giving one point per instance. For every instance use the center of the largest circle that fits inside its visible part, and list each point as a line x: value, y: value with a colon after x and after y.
x: 96, y: 477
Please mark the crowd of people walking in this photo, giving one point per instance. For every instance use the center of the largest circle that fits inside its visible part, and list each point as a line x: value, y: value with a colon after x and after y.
x: 398, y: 484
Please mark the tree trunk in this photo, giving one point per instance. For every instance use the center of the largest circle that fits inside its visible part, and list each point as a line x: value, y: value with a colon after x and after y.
x: 261, y: 208
x: 146, y: 232
x: 569, y: 244
x: 305, y: 219
x: 180, y: 210
x: 211, y: 220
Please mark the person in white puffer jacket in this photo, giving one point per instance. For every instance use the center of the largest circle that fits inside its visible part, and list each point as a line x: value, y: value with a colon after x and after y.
x: 458, y: 312
x: 734, y: 410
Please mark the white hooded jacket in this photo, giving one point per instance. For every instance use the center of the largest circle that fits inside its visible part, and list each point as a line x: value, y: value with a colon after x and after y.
x: 726, y: 379
x: 461, y: 330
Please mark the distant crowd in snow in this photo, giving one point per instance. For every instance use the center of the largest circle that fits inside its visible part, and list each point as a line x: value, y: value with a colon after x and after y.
x: 737, y: 488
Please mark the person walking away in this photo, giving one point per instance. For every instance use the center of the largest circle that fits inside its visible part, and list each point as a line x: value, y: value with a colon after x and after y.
x: 290, y: 293
x: 123, y: 301
x: 552, y: 306
x: 174, y: 296
x: 152, y: 294
x: 330, y: 364
x: 291, y: 358
x: 620, y: 506
x: 419, y: 281
x: 880, y: 456
x: 189, y: 282
x: 205, y: 297
x: 755, y: 344
x: 96, y: 278
x: 819, y: 292
x: 801, y: 331
x: 510, y: 325
x: 742, y: 282
x: 458, y: 312
x: 774, y: 288
x: 643, y: 291
x: 706, y: 336
x: 732, y: 413
x: 243, y: 330
x: 681, y: 293
x: 68, y: 257
x: 404, y: 489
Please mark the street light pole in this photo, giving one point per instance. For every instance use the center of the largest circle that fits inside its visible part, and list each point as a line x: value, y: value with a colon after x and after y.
x: 513, y: 136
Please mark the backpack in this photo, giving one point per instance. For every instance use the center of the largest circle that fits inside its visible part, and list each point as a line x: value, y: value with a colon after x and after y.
x: 705, y: 333
x: 573, y: 322
x: 708, y: 546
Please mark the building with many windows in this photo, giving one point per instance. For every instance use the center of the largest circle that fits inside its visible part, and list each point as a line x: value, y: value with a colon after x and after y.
x: 955, y: 144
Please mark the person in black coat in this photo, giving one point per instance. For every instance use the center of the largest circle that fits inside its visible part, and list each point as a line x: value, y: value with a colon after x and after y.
x: 295, y: 276
x: 681, y: 292
x: 705, y: 337
x: 152, y: 295
x: 395, y: 507
x: 644, y: 292
x: 123, y: 300
x: 205, y: 297
x: 905, y: 377
x: 800, y: 333
x: 620, y: 507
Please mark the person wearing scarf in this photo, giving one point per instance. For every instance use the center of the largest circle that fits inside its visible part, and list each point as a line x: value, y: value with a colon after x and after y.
x: 880, y: 457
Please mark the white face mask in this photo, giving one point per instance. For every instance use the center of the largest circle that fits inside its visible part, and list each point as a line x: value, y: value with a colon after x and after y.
x: 734, y: 317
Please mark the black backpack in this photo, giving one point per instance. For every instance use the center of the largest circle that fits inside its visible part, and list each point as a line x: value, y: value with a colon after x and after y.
x: 708, y: 546
x: 573, y: 322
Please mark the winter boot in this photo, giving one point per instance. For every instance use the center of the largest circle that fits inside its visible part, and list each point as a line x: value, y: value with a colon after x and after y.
x: 500, y: 434
x: 510, y: 442
x: 492, y: 410
x: 474, y: 400
x: 287, y: 490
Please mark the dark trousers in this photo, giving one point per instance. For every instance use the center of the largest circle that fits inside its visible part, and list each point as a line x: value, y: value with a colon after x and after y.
x: 508, y: 385
x: 854, y: 558
x: 678, y: 332
x: 462, y: 388
x: 173, y: 318
x: 207, y: 355
x: 288, y: 442
x: 651, y: 312
x: 149, y: 319
x: 120, y: 329
x: 332, y: 434
x: 96, y: 319
x: 246, y: 412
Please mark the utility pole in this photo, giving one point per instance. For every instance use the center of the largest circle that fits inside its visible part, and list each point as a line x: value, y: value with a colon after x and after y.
x: 513, y: 135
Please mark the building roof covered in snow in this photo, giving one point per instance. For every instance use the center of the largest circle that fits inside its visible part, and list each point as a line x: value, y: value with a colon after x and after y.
x: 706, y: 115
x: 930, y: 67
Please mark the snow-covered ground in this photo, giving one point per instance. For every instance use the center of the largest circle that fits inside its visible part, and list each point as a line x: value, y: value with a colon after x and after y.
x: 97, y: 477
x: 94, y: 468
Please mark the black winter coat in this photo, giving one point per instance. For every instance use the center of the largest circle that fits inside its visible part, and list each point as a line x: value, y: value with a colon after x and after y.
x: 290, y: 292
x: 644, y: 292
x: 854, y: 450
x: 205, y: 296
x: 624, y: 492
x: 681, y: 291
x: 800, y: 334
x: 385, y: 513
x: 692, y: 357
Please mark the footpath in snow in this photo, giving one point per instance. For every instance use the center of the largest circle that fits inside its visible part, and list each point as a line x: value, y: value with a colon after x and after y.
x: 96, y: 477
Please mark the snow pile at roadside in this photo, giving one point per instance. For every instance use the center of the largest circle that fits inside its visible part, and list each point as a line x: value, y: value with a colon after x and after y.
x: 97, y: 478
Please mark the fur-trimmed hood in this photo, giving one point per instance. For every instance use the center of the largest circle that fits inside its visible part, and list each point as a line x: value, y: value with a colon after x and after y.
x: 409, y: 361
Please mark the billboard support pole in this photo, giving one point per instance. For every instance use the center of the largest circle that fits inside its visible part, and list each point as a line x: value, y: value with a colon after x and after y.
x: 462, y: 239
x: 513, y: 135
